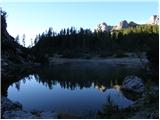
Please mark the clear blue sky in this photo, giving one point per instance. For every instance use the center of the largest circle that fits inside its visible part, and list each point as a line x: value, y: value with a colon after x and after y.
x: 32, y: 18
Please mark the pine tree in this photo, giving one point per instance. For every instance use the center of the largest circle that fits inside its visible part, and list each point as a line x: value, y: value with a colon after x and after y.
x: 17, y: 39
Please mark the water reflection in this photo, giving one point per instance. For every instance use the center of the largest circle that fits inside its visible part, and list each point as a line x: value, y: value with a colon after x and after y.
x: 66, y: 88
x: 117, y: 98
x: 71, y: 77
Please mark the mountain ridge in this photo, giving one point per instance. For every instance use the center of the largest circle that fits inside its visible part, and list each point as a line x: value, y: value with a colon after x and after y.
x: 153, y: 20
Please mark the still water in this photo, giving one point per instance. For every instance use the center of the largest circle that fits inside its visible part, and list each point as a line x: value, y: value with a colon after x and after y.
x: 67, y: 88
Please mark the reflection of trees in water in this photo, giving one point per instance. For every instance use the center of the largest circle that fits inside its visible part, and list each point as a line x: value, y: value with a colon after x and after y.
x: 17, y: 85
x: 17, y: 77
x: 73, y: 78
x: 69, y: 78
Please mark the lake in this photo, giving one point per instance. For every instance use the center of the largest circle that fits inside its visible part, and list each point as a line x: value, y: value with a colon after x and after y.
x: 79, y: 89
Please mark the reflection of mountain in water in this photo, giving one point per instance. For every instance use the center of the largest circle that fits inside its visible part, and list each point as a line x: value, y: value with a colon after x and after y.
x: 116, y: 97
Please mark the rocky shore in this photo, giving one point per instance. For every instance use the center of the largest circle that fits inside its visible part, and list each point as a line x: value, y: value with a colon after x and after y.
x: 14, y: 110
x: 145, y: 97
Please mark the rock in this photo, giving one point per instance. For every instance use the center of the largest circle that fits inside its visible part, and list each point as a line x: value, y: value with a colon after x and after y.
x: 7, y: 105
x: 20, y: 114
x: 103, y: 27
x: 17, y: 104
x: 48, y: 115
x: 154, y: 115
x: 124, y: 24
x: 13, y: 110
x: 17, y: 115
x: 154, y: 20
x: 134, y: 84
x: 121, y: 24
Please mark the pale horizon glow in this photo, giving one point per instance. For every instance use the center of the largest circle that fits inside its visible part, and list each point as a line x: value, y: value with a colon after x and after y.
x: 33, y: 18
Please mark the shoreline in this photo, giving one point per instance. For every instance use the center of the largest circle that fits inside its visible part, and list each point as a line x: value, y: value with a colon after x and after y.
x: 126, y: 60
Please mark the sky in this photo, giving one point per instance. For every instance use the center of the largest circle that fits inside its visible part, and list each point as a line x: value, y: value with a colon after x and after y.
x: 32, y: 18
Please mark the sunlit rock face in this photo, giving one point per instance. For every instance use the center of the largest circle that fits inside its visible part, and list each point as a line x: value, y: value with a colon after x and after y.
x: 154, y: 20
x: 124, y: 24
x: 121, y: 24
x: 103, y: 27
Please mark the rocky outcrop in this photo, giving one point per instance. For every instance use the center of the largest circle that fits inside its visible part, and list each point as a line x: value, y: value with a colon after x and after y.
x: 12, y: 53
x: 14, y: 110
x: 121, y: 24
x: 124, y: 24
x: 17, y: 115
x: 132, y: 24
x: 103, y: 27
x: 134, y: 84
x: 153, y: 20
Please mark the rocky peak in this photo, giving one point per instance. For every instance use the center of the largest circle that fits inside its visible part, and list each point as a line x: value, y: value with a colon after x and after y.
x: 154, y: 20
x: 124, y: 24
x: 132, y: 24
x: 103, y: 27
x: 121, y: 24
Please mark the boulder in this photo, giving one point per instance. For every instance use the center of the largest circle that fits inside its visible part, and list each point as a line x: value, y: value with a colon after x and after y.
x: 133, y: 84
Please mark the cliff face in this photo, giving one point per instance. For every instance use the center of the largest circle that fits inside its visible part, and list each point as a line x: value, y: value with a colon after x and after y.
x: 107, y: 28
x: 153, y: 20
x: 5, y: 35
x: 103, y: 27
x: 10, y: 48
x: 12, y: 53
x: 124, y: 24
x: 121, y: 24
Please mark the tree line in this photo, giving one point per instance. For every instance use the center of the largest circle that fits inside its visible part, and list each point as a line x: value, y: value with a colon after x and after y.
x: 76, y: 43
